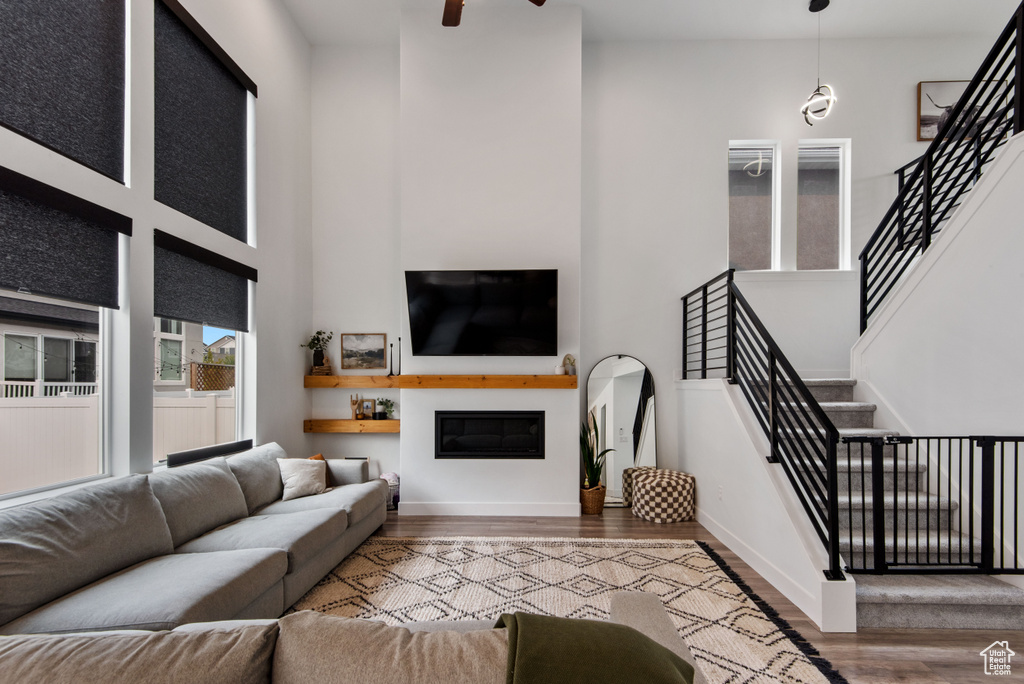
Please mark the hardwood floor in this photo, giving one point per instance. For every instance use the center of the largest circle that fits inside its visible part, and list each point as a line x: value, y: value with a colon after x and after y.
x: 872, y: 656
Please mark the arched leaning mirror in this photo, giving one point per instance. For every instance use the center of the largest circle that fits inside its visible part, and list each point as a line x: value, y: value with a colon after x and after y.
x: 620, y: 394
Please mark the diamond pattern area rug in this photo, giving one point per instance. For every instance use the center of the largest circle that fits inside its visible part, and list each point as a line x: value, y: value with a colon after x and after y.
x: 734, y: 636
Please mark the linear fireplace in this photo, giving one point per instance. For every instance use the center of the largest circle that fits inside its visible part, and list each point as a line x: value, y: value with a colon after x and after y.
x: 489, y: 434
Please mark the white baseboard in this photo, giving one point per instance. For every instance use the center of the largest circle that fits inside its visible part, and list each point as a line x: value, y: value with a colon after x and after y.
x: 543, y: 510
x: 806, y: 601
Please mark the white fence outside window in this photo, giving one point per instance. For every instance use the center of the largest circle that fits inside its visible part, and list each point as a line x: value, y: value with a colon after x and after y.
x: 46, y: 440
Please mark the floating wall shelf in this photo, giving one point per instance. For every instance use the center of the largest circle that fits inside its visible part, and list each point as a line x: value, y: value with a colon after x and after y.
x: 441, y: 381
x: 352, y: 426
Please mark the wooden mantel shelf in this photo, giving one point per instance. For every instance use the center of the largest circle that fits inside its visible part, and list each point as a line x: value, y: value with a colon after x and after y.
x: 352, y: 426
x: 442, y: 381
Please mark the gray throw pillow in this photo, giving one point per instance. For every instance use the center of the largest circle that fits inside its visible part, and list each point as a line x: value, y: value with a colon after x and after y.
x: 240, y: 655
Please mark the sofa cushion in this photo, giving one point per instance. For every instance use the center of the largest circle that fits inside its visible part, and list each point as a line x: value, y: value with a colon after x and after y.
x: 357, y: 500
x: 303, y: 534
x: 397, y: 655
x: 198, y: 497
x: 258, y: 474
x: 162, y: 593
x: 302, y: 477
x: 215, y: 655
x: 51, y: 547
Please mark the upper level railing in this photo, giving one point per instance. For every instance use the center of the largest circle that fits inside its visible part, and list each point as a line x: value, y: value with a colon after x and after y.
x: 723, y: 337
x: 984, y: 118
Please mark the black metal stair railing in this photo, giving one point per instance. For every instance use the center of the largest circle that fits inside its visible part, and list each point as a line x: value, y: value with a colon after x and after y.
x: 987, y: 114
x: 723, y: 337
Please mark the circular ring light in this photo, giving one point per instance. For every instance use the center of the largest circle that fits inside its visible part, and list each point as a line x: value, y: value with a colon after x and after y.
x: 819, y: 104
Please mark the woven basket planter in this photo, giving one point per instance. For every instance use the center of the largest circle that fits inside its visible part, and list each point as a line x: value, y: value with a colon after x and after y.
x: 592, y: 500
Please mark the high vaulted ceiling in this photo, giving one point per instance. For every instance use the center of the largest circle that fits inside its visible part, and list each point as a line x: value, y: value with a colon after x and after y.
x: 376, y: 21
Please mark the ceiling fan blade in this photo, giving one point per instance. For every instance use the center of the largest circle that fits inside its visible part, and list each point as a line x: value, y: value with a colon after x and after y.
x: 538, y: 3
x: 452, y: 13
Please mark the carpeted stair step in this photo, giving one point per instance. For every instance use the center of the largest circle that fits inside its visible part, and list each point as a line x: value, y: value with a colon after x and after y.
x: 843, y: 414
x: 938, y: 602
x: 855, y: 473
x: 916, y: 513
x: 948, y: 548
x: 831, y: 389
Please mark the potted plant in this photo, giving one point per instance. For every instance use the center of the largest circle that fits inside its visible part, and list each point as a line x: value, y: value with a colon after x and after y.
x: 388, y: 406
x: 591, y: 490
x: 318, y: 345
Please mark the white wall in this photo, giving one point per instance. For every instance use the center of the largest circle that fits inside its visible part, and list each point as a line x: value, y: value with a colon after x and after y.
x: 656, y: 125
x: 490, y: 179
x: 262, y: 38
x: 749, y: 504
x: 942, y: 355
x: 810, y: 314
x: 356, y: 241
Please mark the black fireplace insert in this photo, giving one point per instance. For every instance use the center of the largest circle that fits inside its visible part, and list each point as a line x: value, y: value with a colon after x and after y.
x: 489, y: 434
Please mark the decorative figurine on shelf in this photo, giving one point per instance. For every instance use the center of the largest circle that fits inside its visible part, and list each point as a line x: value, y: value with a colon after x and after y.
x: 357, y: 407
x: 318, y: 345
x: 570, y: 364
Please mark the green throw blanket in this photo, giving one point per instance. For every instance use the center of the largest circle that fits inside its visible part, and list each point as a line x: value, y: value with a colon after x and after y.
x: 568, y: 651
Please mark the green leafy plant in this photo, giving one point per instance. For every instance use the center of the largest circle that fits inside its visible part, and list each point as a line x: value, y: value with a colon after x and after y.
x: 319, y: 340
x: 593, y: 462
x: 388, y: 405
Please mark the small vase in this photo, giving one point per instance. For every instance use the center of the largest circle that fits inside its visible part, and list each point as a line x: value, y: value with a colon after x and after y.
x: 318, y: 357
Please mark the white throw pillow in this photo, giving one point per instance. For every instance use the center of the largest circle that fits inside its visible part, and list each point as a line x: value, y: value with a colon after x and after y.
x: 302, y: 477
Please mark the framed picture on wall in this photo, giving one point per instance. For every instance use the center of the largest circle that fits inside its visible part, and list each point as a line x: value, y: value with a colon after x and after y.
x: 935, y: 102
x: 363, y: 351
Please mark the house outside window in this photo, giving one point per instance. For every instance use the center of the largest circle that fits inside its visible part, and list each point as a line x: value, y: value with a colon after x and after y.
x: 50, y: 393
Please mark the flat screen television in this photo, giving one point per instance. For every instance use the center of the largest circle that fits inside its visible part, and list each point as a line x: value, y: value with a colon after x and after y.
x: 483, y: 313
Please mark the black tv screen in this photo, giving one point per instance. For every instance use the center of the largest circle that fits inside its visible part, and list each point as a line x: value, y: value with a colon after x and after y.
x: 483, y: 313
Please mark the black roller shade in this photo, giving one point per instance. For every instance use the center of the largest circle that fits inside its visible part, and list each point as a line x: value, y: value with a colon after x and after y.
x: 62, y: 77
x: 200, y: 165
x: 196, y: 285
x: 58, y: 245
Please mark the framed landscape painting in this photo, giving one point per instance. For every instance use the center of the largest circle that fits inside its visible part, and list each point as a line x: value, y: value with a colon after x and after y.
x: 363, y: 351
x: 935, y: 101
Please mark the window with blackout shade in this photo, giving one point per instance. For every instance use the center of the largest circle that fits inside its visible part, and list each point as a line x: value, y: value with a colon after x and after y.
x: 196, y: 285
x: 62, y: 83
x: 752, y: 206
x: 58, y: 245
x: 201, y: 125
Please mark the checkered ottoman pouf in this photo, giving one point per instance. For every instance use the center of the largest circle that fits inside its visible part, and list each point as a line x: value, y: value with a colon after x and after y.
x: 627, y: 483
x: 663, y: 496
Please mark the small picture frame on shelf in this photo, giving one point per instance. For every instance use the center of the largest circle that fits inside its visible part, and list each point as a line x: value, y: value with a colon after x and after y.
x: 368, y: 406
x: 364, y: 351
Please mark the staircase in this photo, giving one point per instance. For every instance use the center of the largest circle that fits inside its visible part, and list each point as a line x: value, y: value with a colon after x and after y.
x: 904, y: 601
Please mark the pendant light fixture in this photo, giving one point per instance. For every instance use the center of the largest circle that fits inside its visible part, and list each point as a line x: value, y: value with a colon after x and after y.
x: 819, y: 104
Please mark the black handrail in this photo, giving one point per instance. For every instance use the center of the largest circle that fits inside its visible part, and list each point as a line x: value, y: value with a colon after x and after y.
x: 803, y: 440
x: 988, y: 112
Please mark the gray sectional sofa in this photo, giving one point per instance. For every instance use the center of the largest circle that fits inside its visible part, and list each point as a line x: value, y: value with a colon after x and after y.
x: 199, y: 543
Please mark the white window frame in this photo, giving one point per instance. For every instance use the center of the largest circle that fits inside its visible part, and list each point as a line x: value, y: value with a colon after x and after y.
x: 776, y: 147
x: 845, y: 187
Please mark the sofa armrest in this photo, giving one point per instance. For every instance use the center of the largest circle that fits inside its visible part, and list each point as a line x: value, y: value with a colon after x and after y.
x: 348, y: 471
x: 646, y: 614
